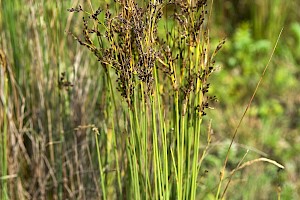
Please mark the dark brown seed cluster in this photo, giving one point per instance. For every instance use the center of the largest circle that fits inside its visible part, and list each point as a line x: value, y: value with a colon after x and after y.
x: 126, y: 43
x: 63, y: 82
x: 180, y: 49
x: 75, y: 9
x: 129, y: 43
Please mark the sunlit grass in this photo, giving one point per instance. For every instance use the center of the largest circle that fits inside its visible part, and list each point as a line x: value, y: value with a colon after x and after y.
x: 128, y: 120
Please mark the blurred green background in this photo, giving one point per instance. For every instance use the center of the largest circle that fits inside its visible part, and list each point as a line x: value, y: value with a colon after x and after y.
x: 271, y: 127
x: 34, y: 40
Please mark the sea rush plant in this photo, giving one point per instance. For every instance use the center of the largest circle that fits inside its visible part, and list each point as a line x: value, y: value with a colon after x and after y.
x: 45, y: 141
x: 162, y: 59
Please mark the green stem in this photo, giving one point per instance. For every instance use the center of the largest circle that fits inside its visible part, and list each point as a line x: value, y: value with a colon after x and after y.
x: 102, y: 175
x: 3, y: 154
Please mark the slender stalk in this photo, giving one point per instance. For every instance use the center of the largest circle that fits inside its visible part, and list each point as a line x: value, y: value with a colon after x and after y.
x: 156, y: 159
x: 222, y: 174
x: 134, y: 157
x: 162, y: 129
x: 3, y: 140
x: 112, y: 94
x: 179, y: 153
x: 102, y: 175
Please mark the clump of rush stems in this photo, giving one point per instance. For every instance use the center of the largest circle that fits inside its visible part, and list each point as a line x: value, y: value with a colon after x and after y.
x: 161, y: 55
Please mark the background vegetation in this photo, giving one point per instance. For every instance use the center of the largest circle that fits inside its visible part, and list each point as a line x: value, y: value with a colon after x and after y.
x: 55, y: 97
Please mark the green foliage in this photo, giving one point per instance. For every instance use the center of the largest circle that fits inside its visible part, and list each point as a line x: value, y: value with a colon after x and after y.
x: 162, y: 75
x: 242, y: 61
x: 270, y: 124
x: 295, y: 32
x: 130, y: 122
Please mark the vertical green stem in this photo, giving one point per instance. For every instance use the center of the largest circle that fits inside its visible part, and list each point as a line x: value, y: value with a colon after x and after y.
x: 178, y: 144
x: 102, y: 175
x: 112, y: 94
x: 3, y: 154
